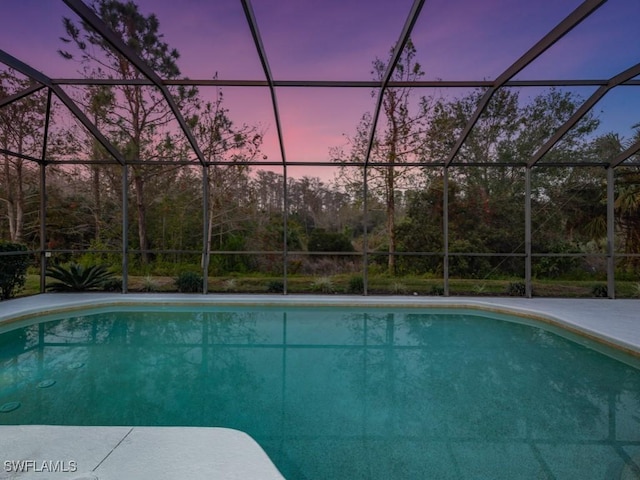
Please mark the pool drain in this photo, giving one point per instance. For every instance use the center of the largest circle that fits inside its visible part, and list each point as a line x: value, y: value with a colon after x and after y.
x: 46, y: 383
x: 9, y: 407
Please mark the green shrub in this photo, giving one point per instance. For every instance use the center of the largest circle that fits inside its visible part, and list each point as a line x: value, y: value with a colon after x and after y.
x: 189, y: 282
x: 275, y: 286
x: 76, y: 278
x: 437, y: 290
x: 516, y: 289
x: 399, y: 288
x: 112, y: 285
x: 13, y: 269
x: 355, y: 285
x: 479, y: 288
x: 96, y: 254
x: 600, y: 290
x: 322, y: 241
x: 468, y: 266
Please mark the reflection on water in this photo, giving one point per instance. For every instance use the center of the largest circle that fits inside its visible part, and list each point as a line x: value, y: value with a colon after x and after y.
x: 340, y: 395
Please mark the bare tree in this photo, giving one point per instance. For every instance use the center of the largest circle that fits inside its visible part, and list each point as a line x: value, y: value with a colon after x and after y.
x: 401, y: 141
x: 21, y: 127
x: 138, y: 120
x: 227, y: 149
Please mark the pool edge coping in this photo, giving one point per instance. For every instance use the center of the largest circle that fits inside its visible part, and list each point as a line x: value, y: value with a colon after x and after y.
x: 72, y: 302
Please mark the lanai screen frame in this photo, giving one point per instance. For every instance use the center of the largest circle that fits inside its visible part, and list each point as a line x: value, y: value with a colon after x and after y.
x: 504, y: 80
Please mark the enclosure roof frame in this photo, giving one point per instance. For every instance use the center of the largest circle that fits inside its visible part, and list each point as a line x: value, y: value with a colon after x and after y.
x: 629, y: 77
x: 583, y: 11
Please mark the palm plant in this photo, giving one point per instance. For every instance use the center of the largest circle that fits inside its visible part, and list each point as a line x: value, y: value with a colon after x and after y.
x: 76, y: 278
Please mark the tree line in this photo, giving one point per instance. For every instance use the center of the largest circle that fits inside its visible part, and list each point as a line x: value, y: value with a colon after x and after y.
x: 245, y: 205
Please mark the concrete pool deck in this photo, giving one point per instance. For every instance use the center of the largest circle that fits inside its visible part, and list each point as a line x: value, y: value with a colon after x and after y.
x: 199, y: 453
x: 612, y: 322
x: 158, y: 453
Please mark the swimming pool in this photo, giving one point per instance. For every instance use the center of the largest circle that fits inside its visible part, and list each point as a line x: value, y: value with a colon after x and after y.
x: 350, y: 393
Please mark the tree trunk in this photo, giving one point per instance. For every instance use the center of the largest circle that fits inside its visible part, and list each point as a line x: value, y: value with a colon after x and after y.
x: 20, y: 201
x: 138, y: 183
x: 9, y: 199
x: 15, y: 199
x: 210, y: 213
x: 391, y: 183
x: 97, y: 202
x: 19, y: 210
x: 12, y: 220
x: 391, y: 223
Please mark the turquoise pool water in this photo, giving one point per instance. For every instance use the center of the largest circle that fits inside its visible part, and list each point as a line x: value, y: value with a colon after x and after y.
x: 340, y: 394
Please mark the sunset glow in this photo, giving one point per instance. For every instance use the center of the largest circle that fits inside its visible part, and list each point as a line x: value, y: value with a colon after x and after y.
x: 339, y: 40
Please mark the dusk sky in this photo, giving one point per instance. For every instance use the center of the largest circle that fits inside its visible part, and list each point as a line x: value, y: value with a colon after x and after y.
x: 339, y: 39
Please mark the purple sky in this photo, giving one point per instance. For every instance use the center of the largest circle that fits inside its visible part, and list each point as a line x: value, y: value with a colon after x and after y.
x: 339, y: 39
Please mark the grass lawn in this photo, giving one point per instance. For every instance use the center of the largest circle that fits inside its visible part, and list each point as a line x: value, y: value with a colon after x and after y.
x: 378, y: 285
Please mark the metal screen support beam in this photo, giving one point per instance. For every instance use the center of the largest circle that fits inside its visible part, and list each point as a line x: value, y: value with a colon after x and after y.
x: 527, y: 233
x: 205, y: 229
x: 445, y: 228
x: 437, y: 83
x: 125, y: 229
x: 365, y: 232
x: 393, y: 61
x: 611, y: 259
x: 43, y: 227
x: 20, y: 155
x: 583, y: 110
x: 262, y: 54
x: 17, y: 96
x: 564, y: 27
x: 95, y: 22
x: 285, y: 229
x: 64, y: 98
x: 43, y: 197
x: 629, y: 152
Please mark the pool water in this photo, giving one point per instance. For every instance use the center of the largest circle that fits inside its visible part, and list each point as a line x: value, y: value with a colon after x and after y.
x: 340, y: 394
